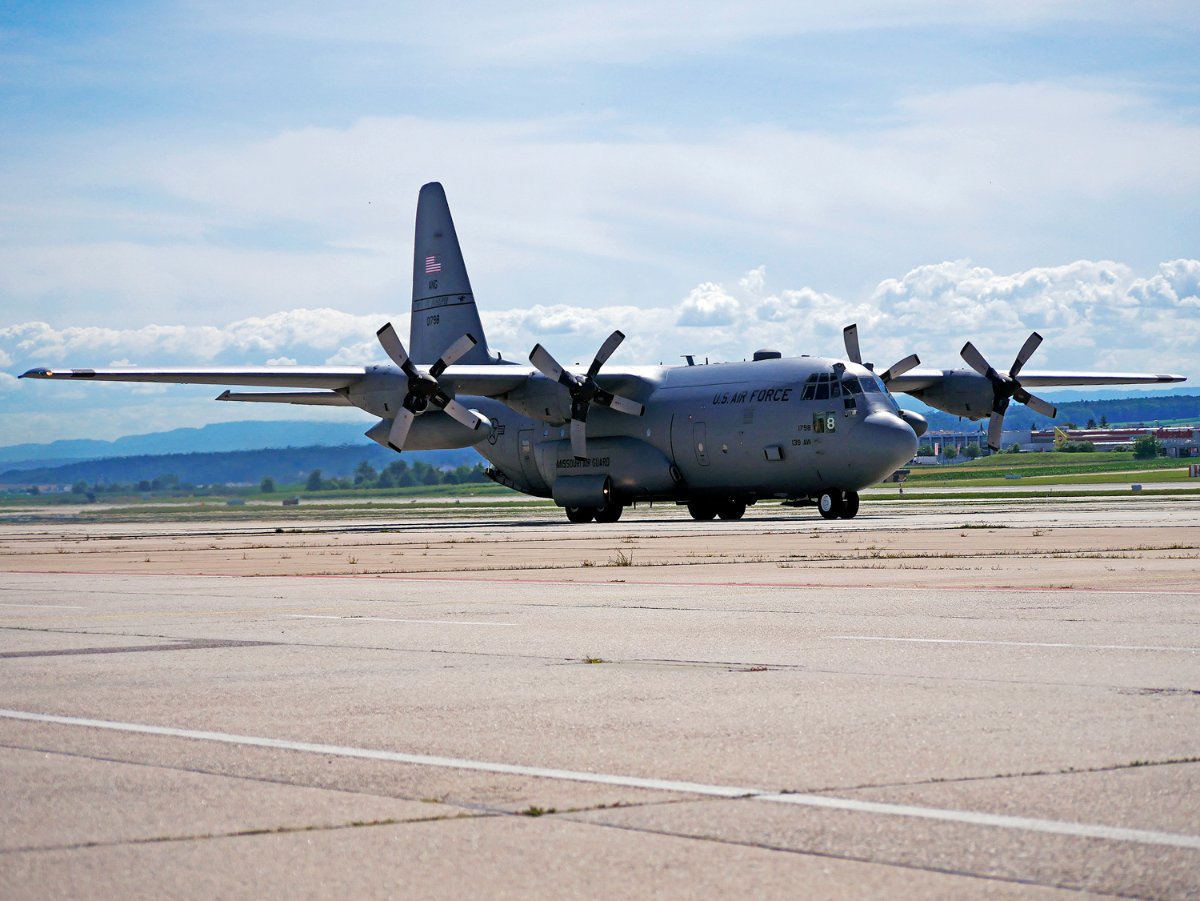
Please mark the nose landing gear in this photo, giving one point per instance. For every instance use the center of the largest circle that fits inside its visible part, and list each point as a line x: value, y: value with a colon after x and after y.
x: 838, y: 504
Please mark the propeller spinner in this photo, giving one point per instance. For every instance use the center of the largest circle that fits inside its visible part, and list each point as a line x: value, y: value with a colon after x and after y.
x: 1006, y: 388
x: 850, y: 335
x: 584, y: 390
x: 423, y: 387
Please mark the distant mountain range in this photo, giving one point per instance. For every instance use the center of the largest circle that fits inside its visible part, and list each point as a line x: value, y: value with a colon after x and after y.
x: 228, y: 452
x: 219, y: 437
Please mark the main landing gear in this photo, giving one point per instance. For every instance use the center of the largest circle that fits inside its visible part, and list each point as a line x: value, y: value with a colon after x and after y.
x: 611, y: 512
x: 838, y: 504
x: 727, y: 508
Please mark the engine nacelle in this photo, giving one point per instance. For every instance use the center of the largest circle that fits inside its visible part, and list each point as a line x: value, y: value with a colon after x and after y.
x: 433, y: 430
x: 961, y: 392
x: 915, y: 421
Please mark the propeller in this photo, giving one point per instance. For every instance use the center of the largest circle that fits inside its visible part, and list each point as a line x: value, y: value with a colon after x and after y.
x: 850, y: 335
x: 423, y: 387
x: 1006, y: 388
x: 584, y: 391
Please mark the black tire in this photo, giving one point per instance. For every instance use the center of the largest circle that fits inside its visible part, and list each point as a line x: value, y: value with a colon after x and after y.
x: 850, y: 505
x: 830, y: 504
x: 611, y: 513
x: 701, y: 511
x: 580, y: 514
x: 731, y: 510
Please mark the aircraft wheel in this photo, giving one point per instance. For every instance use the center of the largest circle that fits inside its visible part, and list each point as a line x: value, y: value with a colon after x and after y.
x: 731, y: 510
x: 830, y: 504
x: 850, y: 505
x: 701, y: 511
x: 611, y: 513
x: 580, y: 514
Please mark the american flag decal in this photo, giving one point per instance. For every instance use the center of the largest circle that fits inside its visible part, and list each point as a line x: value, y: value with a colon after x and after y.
x: 432, y: 265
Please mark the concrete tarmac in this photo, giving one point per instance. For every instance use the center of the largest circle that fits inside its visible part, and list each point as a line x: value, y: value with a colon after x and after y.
x: 950, y: 699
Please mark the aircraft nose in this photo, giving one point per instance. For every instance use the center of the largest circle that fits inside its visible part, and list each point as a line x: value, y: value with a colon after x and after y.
x: 890, y: 442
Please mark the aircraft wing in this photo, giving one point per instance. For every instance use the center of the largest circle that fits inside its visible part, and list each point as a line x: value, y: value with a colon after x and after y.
x: 330, y: 377
x: 325, y: 384
x: 920, y: 379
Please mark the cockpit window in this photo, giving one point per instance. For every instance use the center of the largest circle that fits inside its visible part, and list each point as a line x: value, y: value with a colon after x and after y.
x: 872, y: 385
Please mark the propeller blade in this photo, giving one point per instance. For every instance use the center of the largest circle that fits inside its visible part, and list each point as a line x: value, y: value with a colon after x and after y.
x: 995, y: 427
x: 394, y: 347
x: 975, y: 359
x: 452, y: 354
x: 606, y: 350
x: 398, y: 433
x: 579, y: 439
x: 850, y: 336
x: 1023, y: 355
x: 1037, y: 404
x: 625, y: 405
x: 546, y: 364
x: 469, y: 418
x: 901, y: 367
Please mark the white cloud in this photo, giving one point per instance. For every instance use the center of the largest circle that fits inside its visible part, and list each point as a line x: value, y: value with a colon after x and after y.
x: 708, y: 305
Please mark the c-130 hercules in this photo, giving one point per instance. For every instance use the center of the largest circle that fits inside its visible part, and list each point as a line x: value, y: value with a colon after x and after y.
x: 714, y: 437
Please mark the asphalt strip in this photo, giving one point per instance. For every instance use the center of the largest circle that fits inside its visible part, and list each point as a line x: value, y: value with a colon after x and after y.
x: 1054, y: 827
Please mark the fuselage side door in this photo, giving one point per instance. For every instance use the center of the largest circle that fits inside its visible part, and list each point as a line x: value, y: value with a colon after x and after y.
x: 700, y: 443
x: 525, y: 453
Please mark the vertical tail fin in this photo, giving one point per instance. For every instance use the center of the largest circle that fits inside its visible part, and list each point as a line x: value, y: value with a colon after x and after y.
x: 443, y: 307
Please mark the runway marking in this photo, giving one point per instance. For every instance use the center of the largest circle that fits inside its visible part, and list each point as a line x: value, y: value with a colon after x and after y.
x: 48, y: 606
x: 974, y: 818
x: 387, y: 619
x: 1021, y: 644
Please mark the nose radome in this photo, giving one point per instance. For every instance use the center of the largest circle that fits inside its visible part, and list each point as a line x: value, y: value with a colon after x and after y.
x: 889, y: 441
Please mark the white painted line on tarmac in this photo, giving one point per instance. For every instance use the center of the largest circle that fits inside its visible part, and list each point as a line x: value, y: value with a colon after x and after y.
x: 1000, y: 821
x: 1020, y: 644
x: 385, y: 619
x: 48, y: 606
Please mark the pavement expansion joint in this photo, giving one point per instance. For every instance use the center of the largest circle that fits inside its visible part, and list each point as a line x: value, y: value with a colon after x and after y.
x: 249, y: 833
x: 1027, y: 774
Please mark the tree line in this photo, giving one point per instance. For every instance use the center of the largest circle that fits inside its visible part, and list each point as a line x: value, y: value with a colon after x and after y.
x: 397, y: 474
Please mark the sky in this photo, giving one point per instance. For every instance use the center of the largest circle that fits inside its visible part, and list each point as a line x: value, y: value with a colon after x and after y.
x: 197, y: 182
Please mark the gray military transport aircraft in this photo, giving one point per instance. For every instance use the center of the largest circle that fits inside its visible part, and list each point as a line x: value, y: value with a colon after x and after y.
x: 714, y: 437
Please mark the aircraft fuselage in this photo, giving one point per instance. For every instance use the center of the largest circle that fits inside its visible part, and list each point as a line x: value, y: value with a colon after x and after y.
x: 771, y: 428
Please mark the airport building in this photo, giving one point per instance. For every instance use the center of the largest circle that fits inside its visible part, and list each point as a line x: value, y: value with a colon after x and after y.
x: 935, y: 445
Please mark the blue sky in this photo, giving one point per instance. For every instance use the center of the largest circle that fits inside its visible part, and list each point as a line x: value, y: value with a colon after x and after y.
x: 211, y: 183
